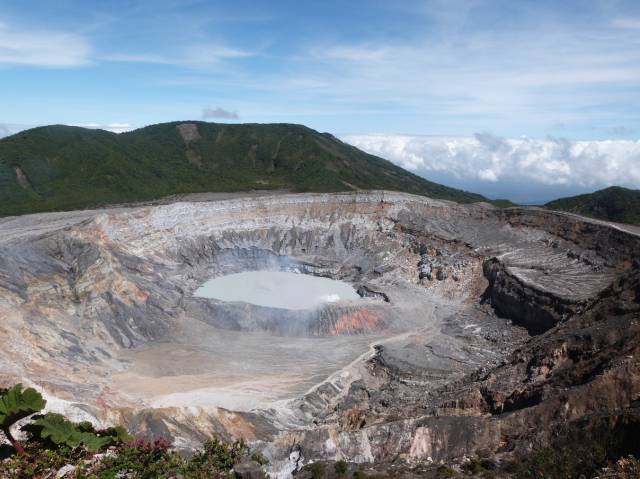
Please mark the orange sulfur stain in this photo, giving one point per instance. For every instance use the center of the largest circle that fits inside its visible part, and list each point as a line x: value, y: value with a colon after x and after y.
x: 357, y: 322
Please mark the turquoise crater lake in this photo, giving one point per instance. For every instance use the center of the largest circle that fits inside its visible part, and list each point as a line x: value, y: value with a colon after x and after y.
x: 277, y: 289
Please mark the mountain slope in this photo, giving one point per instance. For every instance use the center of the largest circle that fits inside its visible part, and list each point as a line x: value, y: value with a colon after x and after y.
x: 62, y: 167
x: 617, y: 204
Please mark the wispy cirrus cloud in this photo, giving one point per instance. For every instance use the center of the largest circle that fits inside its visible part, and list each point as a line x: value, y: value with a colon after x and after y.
x: 43, y: 48
x: 190, y: 55
x: 522, y: 80
x: 632, y: 23
x: 139, y: 58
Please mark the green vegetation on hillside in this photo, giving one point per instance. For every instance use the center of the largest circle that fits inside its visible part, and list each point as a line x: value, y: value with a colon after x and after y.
x: 618, y: 204
x: 57, y: 447
x: 63, y: 167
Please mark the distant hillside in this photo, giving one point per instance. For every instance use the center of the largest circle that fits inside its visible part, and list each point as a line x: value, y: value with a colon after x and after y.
x: 64, y: 167
x: 618, y: 204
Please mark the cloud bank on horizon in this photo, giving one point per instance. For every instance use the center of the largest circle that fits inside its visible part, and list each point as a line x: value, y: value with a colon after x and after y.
x: 524, y: 170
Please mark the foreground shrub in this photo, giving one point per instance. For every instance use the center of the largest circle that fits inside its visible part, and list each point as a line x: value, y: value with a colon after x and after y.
x: 16, y: 404
x: 215, y: 457
x: 140, y: 459
x: 135, y: 459
x: 56, y: 445
x: 624, y: 468
x: 54, y: 430
x: 35, y: 462
x: 340, y: 467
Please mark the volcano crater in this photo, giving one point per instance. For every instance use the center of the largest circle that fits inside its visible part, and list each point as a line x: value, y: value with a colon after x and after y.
x: 100, y: 311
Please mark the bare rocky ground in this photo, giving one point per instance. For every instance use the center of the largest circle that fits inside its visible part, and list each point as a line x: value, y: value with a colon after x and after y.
x: 479, y: 328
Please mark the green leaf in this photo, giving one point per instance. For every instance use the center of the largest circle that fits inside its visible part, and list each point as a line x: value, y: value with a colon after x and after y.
x: 118, y: 433
x: 16, y: 404
x: 85, y: 426
x: 57, y: 429
x: 92, y: 442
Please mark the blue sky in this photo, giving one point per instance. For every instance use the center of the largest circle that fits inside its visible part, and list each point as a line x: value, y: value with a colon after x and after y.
x: 565, y: 69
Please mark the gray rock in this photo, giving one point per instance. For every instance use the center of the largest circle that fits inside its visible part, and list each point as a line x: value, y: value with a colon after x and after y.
x: 248, y: 469
x: 65, y: 471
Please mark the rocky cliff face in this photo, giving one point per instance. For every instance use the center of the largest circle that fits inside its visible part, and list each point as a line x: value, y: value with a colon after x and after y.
x: 475, y: 325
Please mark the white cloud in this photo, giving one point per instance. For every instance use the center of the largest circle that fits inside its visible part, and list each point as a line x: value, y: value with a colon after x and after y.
x: 218, y: 112
x: 139, y: 58
x: 487, y: 174
x: 488, y: 158
x: 114, y: 127
x: 355, y: 53
x: 504, y: 79
x: 4, y: 131
x: 8, y: 129
x: 630, y: 23
x: 194, y: 55
x: 42, y: 48
x: 215, y: 52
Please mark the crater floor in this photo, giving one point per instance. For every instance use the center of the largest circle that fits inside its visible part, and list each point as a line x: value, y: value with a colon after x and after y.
x: 200, y: 365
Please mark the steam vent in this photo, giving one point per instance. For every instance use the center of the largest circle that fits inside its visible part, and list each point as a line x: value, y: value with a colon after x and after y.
x: 444, y: 328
